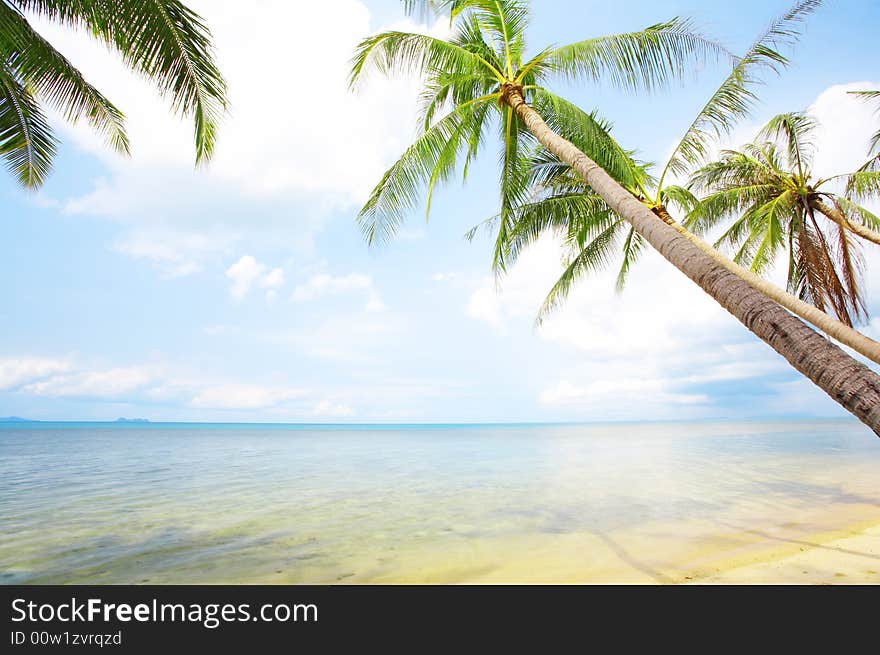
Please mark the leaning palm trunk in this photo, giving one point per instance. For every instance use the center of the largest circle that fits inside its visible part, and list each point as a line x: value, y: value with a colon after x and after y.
x: 840, y: 331
x: 834, y: 214
x: 849, y: 382
x: 811, y: 314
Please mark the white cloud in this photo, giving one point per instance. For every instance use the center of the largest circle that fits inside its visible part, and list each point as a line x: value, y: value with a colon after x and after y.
x: 322, y: 285
x: 247, y: 272
x: 243, y: 274
x: 486, y: 305
x: 17, y: 371
x: 276, y: 141
x: 451, y: 276
x: 274, y: 279
x: 163, y: 385
x: 329, y: 409
x: 365, y: 341
x: 841, y: 145
x: 244, y: 396
x: 176, y: 254
x: 112, y: 383
x: 622, y: 392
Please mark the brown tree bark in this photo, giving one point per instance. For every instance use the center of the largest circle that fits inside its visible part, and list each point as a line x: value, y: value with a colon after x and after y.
x: 849, y: 382
x: 828, y: 324
x: 834, y: 214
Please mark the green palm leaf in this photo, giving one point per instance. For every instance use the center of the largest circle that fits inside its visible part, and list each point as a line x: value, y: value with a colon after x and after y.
x: 427, y: 162
x: 590, y: 134
x: 26, y: 141
x: 575, y: 216
x: 405, y: 53
x: 40, y: 67
x: 633, y: 245
x: 594, y: 256
x: 735, y: 98
x: 792, y: 131
x: 163, y: 40
x: 646, y: 59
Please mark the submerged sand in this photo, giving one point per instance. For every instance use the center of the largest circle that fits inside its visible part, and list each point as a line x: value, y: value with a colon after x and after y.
x: 753, y: 502
x: 684, y: 553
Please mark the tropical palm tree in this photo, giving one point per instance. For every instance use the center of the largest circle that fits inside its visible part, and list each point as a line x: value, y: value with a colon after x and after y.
x: 777, y: 205
x: 483, y: 73
x: 162, y: 40
x: 559, y: 205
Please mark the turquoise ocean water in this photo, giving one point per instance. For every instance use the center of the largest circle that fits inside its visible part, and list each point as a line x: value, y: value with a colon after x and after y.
x: 161, y: 503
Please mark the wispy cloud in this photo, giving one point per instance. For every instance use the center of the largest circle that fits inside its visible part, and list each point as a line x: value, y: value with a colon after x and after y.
x: 322, y: 285
x: 248, y: 272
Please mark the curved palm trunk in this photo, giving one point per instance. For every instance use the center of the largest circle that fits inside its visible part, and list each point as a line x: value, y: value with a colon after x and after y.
x: 811, y: 314
x: 834, y: 214
x: 828, y: 324
x: 849, y: 382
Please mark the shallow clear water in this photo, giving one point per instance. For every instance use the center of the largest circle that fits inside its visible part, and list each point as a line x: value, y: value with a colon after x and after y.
x: 107, y: 503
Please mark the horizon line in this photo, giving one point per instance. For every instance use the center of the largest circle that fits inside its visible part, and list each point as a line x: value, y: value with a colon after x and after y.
x: 15, y: 420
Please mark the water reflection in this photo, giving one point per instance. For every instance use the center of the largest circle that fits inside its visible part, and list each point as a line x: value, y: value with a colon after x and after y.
x: 641, y: 502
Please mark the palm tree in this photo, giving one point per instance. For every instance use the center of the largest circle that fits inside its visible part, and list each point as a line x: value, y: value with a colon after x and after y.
x: 559, y: 205
x: 162, y: 40
x: 482, y: 73
x: 776, y: 204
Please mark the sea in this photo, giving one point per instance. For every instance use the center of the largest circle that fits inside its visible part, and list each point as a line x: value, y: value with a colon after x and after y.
x: 664, y: 502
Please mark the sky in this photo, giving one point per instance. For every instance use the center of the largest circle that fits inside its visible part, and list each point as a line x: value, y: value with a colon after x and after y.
x: 244, y: 291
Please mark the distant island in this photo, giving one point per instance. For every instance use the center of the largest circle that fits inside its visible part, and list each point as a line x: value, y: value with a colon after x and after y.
x: 14, y: 419
x: 132, y: 420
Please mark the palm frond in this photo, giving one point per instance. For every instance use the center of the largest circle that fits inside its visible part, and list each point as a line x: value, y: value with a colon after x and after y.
x: 514, y: 182
x: 428, y: 161
x: 863, y: 184
x: 858, y: 213
x: 593, y: 256
x: 735, y: 98
x: 424, y: 9
x: 851, y: 270
x: 643, y: 60
x: 768, y: 219
x: 792, y: 131
x: 26, y: 141
x: 679, y: 197
x: 166, y: 42
x: 505, y: 22
x: 395, y: 53
x: 823, y: 267
x: 576, y: 216
x: 592, y: 135
x: 48, y: 74
x: 633, y: 245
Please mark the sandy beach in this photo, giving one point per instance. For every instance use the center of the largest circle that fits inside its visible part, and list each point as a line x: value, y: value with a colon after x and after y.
x: 848, y: 558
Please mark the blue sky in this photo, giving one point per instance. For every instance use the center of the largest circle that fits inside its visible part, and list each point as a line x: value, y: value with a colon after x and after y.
x: 245, y: 292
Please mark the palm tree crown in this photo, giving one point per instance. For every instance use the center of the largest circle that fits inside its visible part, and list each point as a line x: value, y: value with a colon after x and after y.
x: 467, y: 78
x: 777, y: 204
x: 564, y: 204
x: 161, y: 39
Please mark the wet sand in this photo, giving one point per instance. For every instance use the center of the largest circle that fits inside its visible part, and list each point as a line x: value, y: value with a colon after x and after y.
x: 852, y: 557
